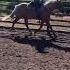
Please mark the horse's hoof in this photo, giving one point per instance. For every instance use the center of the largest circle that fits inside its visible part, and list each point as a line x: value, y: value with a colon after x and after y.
x: 10, y: 29
x: 53, y: 39
x: 33, y: 33
x: 30, y: 33
x: 26, y: 37
x: 55, y: 36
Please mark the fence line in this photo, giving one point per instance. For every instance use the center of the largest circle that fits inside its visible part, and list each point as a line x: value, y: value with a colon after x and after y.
x: 60, y: 20
x: 54, y: 25
x: 43, y: 24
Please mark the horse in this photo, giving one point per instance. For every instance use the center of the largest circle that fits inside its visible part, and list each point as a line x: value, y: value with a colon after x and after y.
x: 26, y: 11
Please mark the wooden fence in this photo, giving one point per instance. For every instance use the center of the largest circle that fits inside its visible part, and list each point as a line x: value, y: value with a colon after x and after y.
x: 59, y: 20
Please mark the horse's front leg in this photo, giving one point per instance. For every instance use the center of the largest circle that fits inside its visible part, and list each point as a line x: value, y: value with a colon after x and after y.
x: 50, y: 31
x: 41, y: 25
x: 26, y: 23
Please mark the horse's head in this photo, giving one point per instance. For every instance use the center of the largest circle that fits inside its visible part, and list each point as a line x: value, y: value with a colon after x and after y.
x: 52, y: 5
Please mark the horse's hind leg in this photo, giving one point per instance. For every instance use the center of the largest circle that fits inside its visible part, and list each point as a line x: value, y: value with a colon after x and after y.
x: 50, y: 31
x: 26, y: 23
x: 14, y: 21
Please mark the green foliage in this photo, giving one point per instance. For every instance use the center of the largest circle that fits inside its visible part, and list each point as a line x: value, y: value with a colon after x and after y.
x: 9, y: 0
x: 6, y: 6
x: 15, y: 0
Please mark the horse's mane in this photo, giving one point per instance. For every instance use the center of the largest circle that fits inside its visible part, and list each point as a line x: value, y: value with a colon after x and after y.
x: 22, y: 4
x: 49, y: 1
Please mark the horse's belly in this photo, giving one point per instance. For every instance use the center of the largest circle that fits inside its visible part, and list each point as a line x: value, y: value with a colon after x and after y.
x: 31, y: 14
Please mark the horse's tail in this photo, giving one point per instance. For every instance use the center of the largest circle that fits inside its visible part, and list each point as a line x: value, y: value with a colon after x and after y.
x: 9, y: 16
x: 5, y: 18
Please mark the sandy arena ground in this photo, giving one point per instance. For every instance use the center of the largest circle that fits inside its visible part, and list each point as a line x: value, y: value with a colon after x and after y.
x: 37, y: 52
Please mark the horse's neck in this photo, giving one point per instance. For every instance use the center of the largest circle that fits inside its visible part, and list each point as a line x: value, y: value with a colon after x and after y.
x: 50, y: 4
x: 31, y: 4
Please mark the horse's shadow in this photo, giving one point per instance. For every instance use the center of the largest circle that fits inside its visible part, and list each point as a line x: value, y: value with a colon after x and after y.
x: 40, y: 44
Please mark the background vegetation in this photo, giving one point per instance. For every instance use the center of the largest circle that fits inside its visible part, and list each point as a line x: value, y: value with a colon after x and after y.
x: 6, y: 6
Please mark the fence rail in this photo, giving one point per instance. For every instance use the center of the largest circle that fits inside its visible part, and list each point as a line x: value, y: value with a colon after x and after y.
x: 59, y: 20
x: 66, y: 30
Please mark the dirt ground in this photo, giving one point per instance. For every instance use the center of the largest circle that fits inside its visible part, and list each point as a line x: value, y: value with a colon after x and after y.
x: 34, y: 52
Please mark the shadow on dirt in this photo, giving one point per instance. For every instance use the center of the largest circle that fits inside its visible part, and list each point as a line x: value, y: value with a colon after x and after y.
x: 40, y: 44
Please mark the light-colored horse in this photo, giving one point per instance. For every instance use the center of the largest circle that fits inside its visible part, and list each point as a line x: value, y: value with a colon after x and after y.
x: 26, y: 11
